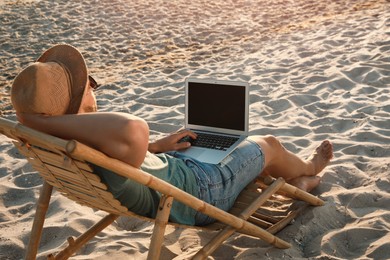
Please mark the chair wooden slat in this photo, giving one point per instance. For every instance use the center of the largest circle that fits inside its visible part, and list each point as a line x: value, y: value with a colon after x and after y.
x: 63, y: 174
x: 54, y: 158
x: 66, y: 174
x: 259, y: 222
x: 266, y: 217
x: 69, y: 183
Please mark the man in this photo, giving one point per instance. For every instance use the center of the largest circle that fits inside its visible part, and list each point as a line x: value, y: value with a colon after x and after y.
x: 55, y: 95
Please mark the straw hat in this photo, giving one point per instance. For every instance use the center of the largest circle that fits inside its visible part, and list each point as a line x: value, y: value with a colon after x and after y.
x: 55, y: 84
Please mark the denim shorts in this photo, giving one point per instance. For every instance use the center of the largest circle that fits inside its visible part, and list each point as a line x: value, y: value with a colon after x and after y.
x: 220, y: 184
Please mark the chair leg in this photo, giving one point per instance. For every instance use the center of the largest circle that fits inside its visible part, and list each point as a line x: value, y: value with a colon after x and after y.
x: 75, y: 245
x: 212, y: 245
x: 161, y: 222
x: 296, y: 193
x: 39, y: 219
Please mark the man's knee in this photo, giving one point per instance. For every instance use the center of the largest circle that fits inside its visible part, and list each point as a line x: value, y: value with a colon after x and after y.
x: 270, y: 146
x: 270, y: 141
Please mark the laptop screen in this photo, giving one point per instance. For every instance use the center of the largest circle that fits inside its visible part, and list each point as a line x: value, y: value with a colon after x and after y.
x: 216, y: 105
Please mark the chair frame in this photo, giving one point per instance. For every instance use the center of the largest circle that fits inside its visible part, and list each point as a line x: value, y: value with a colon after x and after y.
x: 43, y: 150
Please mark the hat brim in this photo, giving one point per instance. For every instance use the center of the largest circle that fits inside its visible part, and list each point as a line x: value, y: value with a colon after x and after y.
x: 74, y: 61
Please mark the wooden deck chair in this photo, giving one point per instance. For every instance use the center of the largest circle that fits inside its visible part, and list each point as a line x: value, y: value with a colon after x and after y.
x: 64, y: 164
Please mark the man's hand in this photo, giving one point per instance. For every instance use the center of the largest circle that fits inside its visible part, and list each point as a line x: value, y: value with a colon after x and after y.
x: 171, y: 142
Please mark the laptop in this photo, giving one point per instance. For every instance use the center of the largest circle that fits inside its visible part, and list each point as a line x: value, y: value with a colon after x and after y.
x: 218, y: 112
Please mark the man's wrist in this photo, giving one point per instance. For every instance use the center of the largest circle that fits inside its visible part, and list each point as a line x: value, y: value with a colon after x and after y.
x: 153, y: 147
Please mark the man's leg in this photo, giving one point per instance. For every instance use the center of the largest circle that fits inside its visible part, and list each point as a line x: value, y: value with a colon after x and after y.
x: 281, y: 163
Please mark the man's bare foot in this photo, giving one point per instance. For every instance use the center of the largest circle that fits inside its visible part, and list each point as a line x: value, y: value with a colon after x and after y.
x: 321, y: 157
x: 306, y: 183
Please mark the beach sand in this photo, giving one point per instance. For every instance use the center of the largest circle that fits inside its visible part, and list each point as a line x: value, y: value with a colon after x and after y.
x: 317, y: 69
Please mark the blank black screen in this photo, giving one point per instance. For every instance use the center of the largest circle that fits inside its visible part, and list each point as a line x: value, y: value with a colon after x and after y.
x: 216, y: 105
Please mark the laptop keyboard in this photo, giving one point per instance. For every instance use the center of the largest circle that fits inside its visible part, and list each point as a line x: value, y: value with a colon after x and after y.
x: 217, y: 142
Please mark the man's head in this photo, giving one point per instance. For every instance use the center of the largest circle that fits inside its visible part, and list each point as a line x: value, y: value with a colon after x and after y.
x: 54, y: 85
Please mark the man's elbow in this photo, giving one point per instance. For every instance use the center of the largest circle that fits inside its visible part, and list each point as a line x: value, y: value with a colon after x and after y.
x: 135, y: 134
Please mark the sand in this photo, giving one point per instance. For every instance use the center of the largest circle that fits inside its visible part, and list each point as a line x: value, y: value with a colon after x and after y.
x: 317, y: 70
